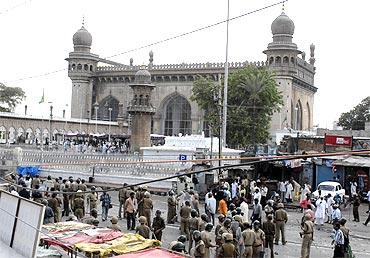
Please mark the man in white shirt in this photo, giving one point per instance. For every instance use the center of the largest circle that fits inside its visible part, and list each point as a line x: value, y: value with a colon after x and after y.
x: 289, y: 192
x: 211, y: 207
x: 337, y: 214
x: 338, y: 241
x: 257, y: 194
x: 353, y: 188
x: 282, y: 190
x: 234, y: 189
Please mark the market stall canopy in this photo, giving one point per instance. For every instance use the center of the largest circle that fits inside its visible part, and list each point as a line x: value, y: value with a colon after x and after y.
x: 153, y: 252
x: 353, y: 161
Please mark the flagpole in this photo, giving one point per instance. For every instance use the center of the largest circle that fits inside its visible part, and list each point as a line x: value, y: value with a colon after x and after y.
x: 226, y: 77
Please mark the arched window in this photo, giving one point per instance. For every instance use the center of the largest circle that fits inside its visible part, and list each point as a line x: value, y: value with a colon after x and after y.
x: 73, y: 67
x: 2, y: 134
x: 86, y: 67
x: 298, y: 116
x: 105, y: 105
x: 178, y: 116
x: 286, y: 60
x: 271, y: 60
x: 292, y: 60
x: 278, y: 60
x: 308, y: 116
x: 79, y: 67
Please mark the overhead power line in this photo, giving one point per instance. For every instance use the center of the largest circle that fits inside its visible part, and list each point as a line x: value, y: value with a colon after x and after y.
x: 4, y: 11
x: 161, y: 41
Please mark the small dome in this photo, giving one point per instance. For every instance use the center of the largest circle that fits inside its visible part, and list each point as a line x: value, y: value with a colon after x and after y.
x: 143, y: 76
x: 282, y: 25
x: 82, y: 38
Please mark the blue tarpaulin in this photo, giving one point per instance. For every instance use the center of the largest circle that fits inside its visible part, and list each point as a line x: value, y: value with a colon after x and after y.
x: 24, y: 170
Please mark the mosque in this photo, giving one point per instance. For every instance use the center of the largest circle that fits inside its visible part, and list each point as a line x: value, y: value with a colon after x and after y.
x: 102, y: 89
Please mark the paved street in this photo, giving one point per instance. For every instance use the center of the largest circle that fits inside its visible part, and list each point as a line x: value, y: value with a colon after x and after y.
x: 360, y: 240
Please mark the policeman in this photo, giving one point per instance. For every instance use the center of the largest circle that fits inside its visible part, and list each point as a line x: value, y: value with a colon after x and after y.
x: 171, y: 209
x: 193, y: 225
x: 227, y: 249
x: 281, y: 217
x: 122, y: 199
x: 260, y: 239
x: 199, y: 249
x: 307, y: 234
x: 203, y: 222
x: 185, y: 215
x: 92, y: 199
x: 147, y: 207
x: 143, y: 230
x: 179, y: 245
x: 114, y: 225
x: 79, y: 206
x: 207, y: 239
x: 249, y: 238
x: 269, y: 228
x: 158, y: 225
x: 92, y: 219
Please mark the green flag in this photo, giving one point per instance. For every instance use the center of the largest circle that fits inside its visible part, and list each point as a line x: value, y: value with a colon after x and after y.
x: 42, y: 100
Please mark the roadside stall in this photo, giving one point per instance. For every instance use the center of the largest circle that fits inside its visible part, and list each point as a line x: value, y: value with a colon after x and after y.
x: 76, y: 237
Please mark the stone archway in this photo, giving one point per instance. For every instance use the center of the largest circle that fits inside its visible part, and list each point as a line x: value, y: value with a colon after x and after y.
x: 298, y: 116
x: 104, y: 106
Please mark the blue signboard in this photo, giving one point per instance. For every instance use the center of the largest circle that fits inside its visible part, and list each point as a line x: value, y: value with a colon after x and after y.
x: 182, y: 157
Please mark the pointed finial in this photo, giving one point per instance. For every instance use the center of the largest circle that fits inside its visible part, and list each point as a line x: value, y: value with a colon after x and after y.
x: 283, y: 7
x: 83, y: 20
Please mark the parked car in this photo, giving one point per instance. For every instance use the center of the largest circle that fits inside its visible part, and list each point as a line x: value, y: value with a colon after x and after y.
x: 329, y: 187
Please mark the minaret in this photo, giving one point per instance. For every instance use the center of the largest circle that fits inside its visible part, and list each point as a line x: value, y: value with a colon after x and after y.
x: 81, y: 68
x: 141, y: 110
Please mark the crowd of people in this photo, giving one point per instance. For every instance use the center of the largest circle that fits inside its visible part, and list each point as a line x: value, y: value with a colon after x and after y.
x: 241, y: 218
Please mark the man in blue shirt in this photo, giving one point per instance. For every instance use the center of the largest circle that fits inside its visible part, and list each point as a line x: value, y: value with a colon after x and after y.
x: 338, y: 241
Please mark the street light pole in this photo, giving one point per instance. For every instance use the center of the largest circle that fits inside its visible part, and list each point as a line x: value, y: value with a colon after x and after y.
x: 110, y: 118
x: 226, y: 77
x: 96, y: 107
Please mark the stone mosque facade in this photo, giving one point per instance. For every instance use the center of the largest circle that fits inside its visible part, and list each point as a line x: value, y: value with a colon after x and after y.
x: 101, y: 88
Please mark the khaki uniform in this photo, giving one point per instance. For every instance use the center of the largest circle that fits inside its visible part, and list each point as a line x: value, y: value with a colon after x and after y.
x: 143, y: 230
x: 115, y: 227
x: 207, y: 239
x: 122, y: 197
x: 193, y: 225
x: 249, y: 238
x: 281, y: 217
x: 35, y: 181
x: 92, y: 200
x: 184, y: 223
x: 227, y: 250
x: 171, y: 213
x: 54, y: 204
x: 269, y: 228
x: 140, y: 198
x: 158, y: 225
x: 307, y: 236
x: 258, y: 243
x: 147, y: 209
x: 79, y: 207
x: 82, y: 187
x: 90, y: 220
x: 199, y: 249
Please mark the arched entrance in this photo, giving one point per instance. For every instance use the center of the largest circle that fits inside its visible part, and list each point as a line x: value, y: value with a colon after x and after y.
x: 104, y: 106
x: 177, y: 116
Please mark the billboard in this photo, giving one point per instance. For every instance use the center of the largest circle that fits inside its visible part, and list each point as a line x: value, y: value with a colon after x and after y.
x: 336, y: 140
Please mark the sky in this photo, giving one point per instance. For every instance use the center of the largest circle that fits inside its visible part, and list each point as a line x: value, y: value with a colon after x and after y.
x: 36, y: 37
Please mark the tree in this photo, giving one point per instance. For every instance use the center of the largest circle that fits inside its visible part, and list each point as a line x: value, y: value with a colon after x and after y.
x: 355, y: 118
x: 10, y: 97
x: 253, y: 98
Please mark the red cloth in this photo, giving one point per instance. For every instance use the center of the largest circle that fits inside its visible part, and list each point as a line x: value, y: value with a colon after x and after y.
x: 104, y: 237
x: 153, y: 252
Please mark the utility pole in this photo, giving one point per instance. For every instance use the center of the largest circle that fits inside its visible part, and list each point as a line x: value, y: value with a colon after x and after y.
x: 226, y: 78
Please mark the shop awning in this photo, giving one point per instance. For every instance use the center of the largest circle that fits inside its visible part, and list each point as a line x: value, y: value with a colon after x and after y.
x: 353, y: 161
